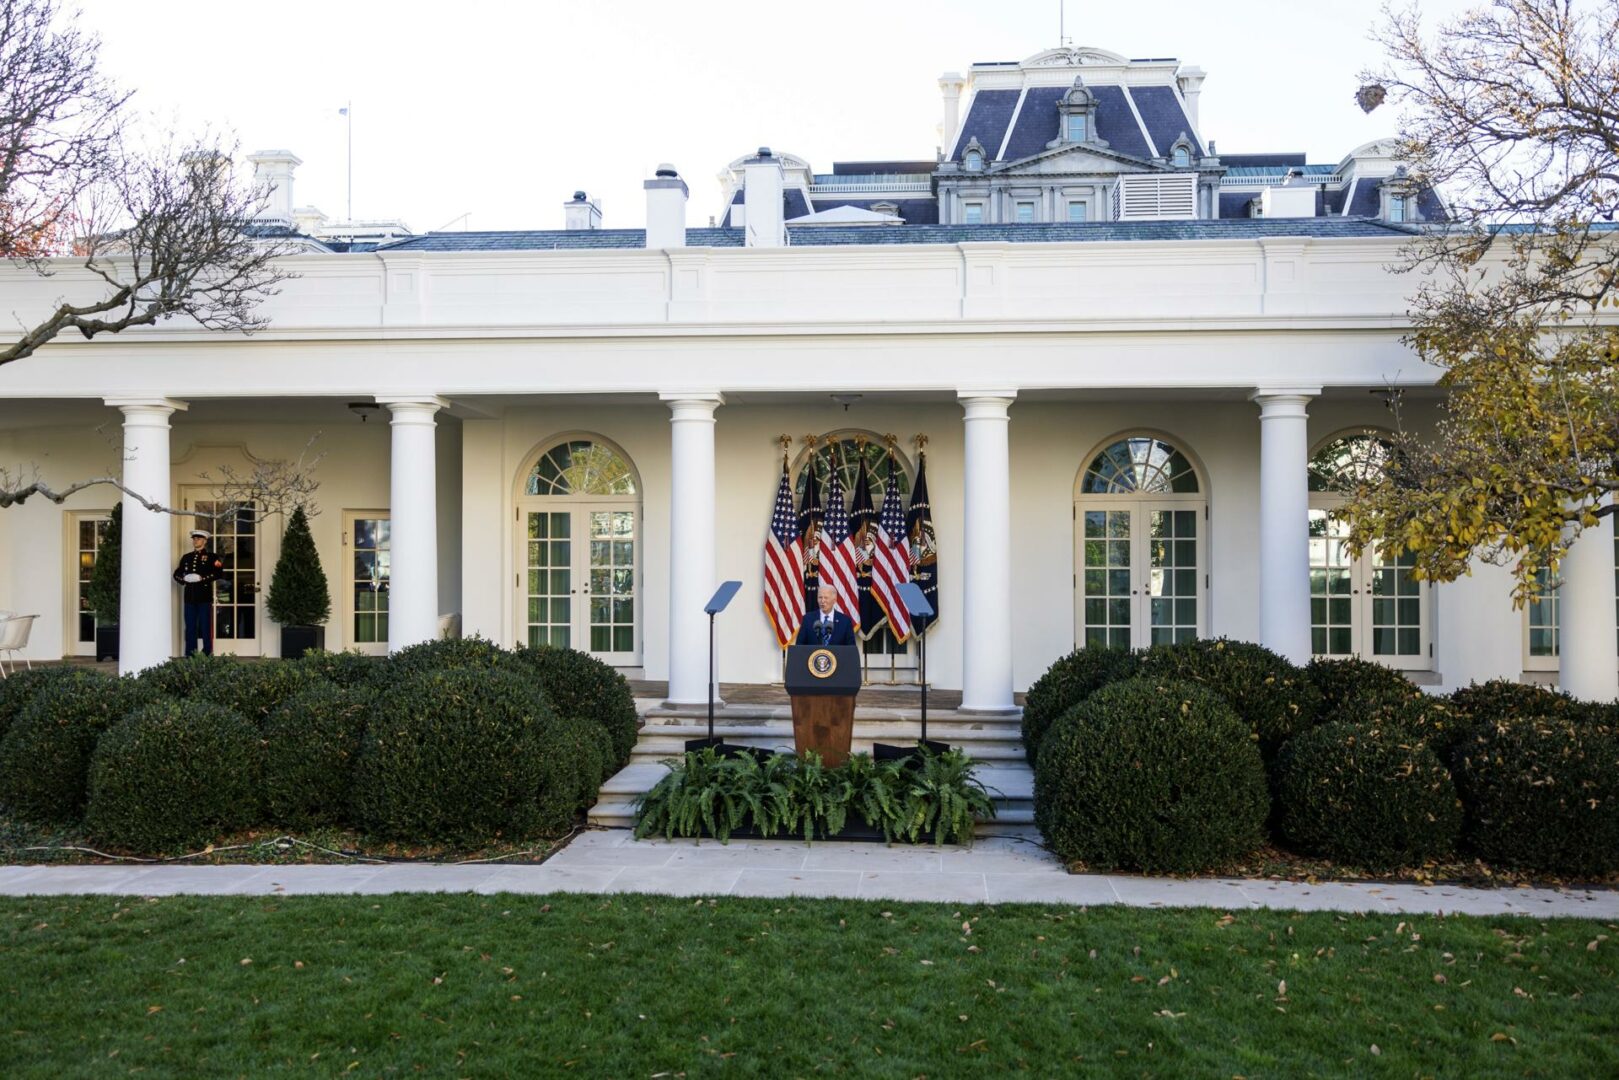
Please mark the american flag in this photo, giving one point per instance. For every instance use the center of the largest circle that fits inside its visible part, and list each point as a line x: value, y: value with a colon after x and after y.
x: 891, y: 564
x: 784, y: 566
x: 837, y: 552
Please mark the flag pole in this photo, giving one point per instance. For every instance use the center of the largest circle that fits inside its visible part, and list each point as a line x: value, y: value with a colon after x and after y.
x: 348, y: 113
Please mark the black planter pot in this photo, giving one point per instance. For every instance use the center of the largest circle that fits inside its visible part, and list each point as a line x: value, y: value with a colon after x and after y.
x: 297, y: 640
x: 106, y: 643
x: 906, y: 753
x: 725, y: 749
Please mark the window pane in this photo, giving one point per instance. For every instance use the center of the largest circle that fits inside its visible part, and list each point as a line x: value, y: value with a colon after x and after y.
x: 1025, y: 213
x: 1077, y: 211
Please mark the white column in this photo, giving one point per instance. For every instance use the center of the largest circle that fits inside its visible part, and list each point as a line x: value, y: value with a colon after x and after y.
x: 1284, y: 516
x: 691, y: 541
x: 146, y: 583
x: 413, y: 510
x: 986, y: 610
x: 1588, y: 644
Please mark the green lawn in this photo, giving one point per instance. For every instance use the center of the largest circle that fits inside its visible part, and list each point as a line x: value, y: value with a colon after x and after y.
x: 641, y: 986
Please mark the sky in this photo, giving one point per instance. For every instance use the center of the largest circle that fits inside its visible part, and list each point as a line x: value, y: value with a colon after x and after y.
x: 489, y: 115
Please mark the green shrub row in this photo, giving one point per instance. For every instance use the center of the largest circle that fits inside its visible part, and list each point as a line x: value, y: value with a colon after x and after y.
x: 1363, y: 766
x: 457, y: 741
x: 933, y: 796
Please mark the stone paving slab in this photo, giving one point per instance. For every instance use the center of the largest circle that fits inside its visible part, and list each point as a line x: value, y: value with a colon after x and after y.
x: 994, y: 870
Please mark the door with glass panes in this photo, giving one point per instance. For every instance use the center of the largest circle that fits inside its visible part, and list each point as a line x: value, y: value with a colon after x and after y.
x: 368, y: 564
x: 235, y: 540
x: 1370, y: 607
x: 1140, y: 547
x: 88, y: 530
x: 578, y: 553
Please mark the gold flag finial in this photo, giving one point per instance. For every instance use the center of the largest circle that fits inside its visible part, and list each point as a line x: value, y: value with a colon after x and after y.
x: 810, y: 441
x: 786, y: 441
x: 920, y: 440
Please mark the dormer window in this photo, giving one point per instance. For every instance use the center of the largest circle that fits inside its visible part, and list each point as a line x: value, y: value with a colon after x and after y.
x: 1399, y: 198
x: 1180, y: 154
x: 972, y: 156
x: 1076, y: 118
x: 1397, y: 208
x: 889, y: 208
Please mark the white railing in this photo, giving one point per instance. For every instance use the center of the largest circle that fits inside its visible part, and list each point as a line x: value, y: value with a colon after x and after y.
x: 876, y: 183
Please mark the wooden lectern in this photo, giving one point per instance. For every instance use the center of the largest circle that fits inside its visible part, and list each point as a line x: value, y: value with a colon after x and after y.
x: 823, y: 681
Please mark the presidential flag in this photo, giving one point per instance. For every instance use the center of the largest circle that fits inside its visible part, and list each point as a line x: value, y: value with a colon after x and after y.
x: 889, y: 565
x: 921, y: 548
x: 837, y: 554
x: 784, y: 566
x: 809, y: 531
x: 863, y: 545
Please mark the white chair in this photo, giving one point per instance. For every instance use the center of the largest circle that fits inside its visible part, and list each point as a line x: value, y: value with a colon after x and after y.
x: 13, y: 639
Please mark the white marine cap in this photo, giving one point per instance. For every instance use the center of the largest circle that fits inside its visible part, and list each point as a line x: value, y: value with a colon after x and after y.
x: 200, y: 532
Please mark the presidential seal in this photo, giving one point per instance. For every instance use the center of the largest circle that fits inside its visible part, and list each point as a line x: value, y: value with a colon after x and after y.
x: 823, y: 663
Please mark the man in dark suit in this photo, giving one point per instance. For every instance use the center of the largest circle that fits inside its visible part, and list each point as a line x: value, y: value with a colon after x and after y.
x: 828, y: 626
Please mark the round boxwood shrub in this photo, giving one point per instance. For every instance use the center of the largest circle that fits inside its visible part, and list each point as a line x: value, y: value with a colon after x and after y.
x: 45, y: 756
x: 460, y: 755
x: 449, y: 654
x: 578, y: 684
x: 1503, y: 699
x: 255, y: 688
x: 19, y: 688
x: 1366, y: 794
x: 1542, y: 793
x: 1065, y: 684
x: 1274, y: 696
x: 184, y: 677
x: 1352, y: 688
x: 581, y: 756
x: 346, y: 668
x: 310, y: 744
x: 1153, y: 775
x: 174, y: 776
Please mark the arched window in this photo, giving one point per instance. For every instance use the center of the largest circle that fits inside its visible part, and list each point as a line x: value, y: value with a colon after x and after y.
x: 1140, y: 465
x: 1139, y: 513
x: 578, y: 551
x: 1369, y: 607
x: 581, y: 467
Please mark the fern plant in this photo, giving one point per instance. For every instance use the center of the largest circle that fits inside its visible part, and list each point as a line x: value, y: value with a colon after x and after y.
x: 945, y: 798
x: 877, y: 791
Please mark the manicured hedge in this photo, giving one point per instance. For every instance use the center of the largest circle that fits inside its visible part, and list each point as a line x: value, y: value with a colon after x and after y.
x: 1355, y: 690
x: 184, y: 677
x: 45, y: 756
x: 19, y: 688
x: 1066, y: 683
x: 449, y: 654
x: 311, y: 742
x: 255, y: 688
x: 1368, y: 795
x: 1151, y: 774
x: 1273, y: 696
x: 462, y: 755
x: 1542, y: 793
x: 578, y: 758
x: 343, y: 668
x: 172, y: 776
x: 578, y: 684
x: 1504, y: 699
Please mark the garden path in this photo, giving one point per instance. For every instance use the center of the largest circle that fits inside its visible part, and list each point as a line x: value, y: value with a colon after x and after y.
x: 994, y: 870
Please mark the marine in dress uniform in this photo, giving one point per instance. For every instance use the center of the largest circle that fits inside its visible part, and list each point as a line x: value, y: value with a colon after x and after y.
x: 198, y: 570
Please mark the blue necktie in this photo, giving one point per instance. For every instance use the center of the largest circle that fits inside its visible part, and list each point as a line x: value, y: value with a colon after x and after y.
x: 826, y: 631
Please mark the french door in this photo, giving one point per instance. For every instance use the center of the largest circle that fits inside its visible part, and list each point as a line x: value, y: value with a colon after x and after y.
x: 1140, y: 575
x: 236, y: 593
x: 89, y: 529
x: 578, y: 578
x: 1370, y: 607
x: 367, y: 566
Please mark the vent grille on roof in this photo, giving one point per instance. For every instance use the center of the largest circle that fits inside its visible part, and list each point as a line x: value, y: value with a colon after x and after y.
x: 1151, y: 197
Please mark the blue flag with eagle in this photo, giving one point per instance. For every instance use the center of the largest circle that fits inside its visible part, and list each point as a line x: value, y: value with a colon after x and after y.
x: 920, y: 547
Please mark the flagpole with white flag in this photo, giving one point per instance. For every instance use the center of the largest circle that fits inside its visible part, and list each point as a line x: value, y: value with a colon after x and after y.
x: 347, y: 112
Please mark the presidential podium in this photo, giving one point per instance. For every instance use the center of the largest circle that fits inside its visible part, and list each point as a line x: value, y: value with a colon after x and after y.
x: 822, y: 681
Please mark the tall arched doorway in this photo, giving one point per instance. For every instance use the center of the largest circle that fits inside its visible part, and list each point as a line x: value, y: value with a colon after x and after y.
x: 579, y: 550
x: 1368, y: 607
x: 1140, y: 516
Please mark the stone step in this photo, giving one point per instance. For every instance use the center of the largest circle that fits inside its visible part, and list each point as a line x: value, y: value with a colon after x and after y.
x: 669, y: 739
x: 884, y: 727
x: 748, y: 714
x: 1009, y: 820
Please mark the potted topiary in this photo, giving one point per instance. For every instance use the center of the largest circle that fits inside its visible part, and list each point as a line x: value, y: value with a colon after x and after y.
x: 105, y: 585
x: 298, y: 597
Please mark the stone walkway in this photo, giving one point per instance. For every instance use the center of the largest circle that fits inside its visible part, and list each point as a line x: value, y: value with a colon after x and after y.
x: 995, y: 870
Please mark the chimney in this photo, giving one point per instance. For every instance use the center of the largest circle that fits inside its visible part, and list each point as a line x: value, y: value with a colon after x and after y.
x: 272, y: 180
x: 581, y: 212
x: 1191, y: 84
x: 950, y: 84
x: 665, y: 209
x: 764, y: 218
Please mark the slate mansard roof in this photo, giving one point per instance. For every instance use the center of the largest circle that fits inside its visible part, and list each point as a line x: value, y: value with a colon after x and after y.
x: 831, y: 236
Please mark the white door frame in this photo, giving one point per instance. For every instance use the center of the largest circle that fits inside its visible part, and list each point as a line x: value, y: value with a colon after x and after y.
x: 71, y: 645
x: 579, y: 507
x: 263, y: 565
x: 1139, y: 508
x: 348, y: 581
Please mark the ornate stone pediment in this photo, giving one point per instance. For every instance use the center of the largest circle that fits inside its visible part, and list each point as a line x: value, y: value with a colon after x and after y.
x: 1073, y: 57
x: 1074, y: 158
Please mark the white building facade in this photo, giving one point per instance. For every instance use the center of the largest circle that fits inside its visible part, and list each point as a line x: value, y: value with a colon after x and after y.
x: 572, y: 436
